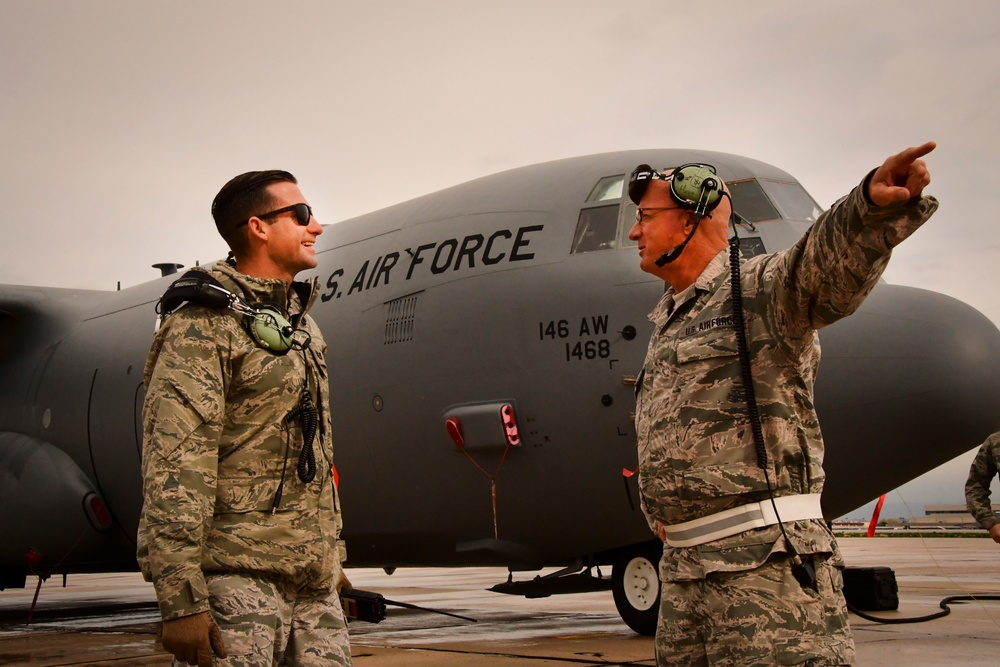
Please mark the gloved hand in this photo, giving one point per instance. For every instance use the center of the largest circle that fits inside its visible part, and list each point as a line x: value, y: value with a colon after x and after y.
x: 193, y: 639
x: 344, y: 582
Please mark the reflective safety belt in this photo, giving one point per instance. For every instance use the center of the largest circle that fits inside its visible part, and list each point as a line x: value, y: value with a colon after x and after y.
x: 743, y: 518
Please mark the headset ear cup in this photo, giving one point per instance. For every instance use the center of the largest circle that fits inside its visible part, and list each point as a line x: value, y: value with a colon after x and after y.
x: 694, y: 183
x: 269, y: 328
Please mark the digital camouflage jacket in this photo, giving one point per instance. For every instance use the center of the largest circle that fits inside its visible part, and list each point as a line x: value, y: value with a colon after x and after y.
x: 217, y: 447
x: 696, y: 449
x: 977, y: 487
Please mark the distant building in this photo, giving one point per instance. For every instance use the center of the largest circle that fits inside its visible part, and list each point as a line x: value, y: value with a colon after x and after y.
x: 950, y: 516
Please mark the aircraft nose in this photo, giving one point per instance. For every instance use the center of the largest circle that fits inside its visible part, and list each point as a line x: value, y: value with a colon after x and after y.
x: 907, y: 383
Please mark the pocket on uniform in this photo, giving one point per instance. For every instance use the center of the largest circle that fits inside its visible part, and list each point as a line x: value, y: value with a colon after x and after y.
x: 246, y: 640
x: 728, y: 454
x: 239, y: 496
x: 836, y: 578
x: 717, y: 481
x: 717, y: 343
x: 175, y: 414
x: 812, y: 650
x: 658, y: 490
x: 207, y: 406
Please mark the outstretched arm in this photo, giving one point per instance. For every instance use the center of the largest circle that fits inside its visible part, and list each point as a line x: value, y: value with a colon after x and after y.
x: 829, y: 272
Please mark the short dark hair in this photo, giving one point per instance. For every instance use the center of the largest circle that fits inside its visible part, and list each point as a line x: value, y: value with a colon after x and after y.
x: 240, y: 199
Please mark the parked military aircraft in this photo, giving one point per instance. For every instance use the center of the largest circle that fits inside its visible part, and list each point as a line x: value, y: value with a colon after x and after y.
x: 483, y: 343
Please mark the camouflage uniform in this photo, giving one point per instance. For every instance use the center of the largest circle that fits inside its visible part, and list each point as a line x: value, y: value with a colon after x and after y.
x: 977, y: 487
x: 696, y: 450
x: 217, y: 449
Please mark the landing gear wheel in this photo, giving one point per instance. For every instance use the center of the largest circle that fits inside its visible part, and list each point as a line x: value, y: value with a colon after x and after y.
x: 635, y: 584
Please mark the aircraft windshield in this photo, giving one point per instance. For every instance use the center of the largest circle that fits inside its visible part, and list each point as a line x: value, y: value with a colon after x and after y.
x: 760, y: 200
x: 792, y: 200
x: 750, y: 201
x: 598, y: 224
x: 609, y: 187
x: 596, y: 229
x: 607, y: 215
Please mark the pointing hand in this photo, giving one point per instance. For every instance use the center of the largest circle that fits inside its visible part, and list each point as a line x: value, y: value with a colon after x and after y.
x: 901, y: 177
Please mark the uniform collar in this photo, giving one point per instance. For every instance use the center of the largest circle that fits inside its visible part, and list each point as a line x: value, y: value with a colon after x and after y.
x: 703, y: 283
x: 269, y: 290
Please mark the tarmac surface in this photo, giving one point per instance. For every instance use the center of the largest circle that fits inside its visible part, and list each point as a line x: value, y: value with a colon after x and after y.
x: 111, y: 619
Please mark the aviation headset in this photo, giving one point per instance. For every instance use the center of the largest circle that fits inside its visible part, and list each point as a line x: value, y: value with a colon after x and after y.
x: 693, y: 186
x: 265, y: 323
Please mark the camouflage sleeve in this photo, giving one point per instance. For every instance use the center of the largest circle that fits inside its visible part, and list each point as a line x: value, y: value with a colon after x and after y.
x: 977, y: 487
x: 182, y: 423
x: 828, y: 273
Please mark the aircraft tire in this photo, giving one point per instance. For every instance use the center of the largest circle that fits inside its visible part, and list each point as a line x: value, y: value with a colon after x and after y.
x: 635, y: 584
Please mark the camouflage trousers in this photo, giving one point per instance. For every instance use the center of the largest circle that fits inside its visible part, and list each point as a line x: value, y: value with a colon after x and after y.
x: 755, y: 617
x: 269, y: 623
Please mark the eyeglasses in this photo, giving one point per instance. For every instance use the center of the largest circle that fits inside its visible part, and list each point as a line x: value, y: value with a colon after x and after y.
x: 303, y: 214
x: 642, y: 214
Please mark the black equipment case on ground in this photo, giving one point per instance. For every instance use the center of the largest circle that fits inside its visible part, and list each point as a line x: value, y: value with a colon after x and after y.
x: 871, y: 588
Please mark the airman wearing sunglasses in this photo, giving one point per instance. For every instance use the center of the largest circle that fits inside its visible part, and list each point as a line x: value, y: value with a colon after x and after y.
x: 240, y: 526
x: 750, y: 573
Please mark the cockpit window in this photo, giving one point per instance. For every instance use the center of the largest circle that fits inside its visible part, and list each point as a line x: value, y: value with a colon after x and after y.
x: 759, y: 200
x: 609, y: 187
x: 792, y: 200
x: 596, y: 228
x: 751, y: 203
x: 628, y: 219
x: 607, y: 215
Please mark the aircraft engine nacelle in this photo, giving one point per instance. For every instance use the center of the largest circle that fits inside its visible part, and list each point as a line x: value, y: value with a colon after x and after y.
x: 44, y: 497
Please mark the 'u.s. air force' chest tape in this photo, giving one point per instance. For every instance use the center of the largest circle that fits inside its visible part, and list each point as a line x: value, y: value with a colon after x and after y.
x: 740, y: 519
x: 266, y: 324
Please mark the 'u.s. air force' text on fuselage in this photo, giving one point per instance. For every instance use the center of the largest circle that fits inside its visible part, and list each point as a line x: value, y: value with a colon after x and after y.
x: 450, y: 254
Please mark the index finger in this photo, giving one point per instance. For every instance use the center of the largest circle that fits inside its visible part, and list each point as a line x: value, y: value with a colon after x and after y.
x: 915, y: 152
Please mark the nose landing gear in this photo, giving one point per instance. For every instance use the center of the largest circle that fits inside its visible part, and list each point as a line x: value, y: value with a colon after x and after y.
x: 635, y: 584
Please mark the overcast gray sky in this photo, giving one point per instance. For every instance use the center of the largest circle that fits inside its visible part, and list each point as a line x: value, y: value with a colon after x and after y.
x: 120, y: 120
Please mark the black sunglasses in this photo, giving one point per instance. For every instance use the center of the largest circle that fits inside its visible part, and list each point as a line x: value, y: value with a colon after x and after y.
x: 303, y: 214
